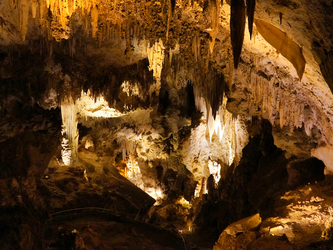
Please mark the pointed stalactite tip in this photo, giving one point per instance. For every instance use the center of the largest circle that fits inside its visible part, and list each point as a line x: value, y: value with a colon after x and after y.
x: 237, y: 28
x: 250, y: 8
x: 173, y: 5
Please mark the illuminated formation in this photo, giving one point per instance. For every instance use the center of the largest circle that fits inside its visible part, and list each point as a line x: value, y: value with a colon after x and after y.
x: 69, y: 131
x: 156, y: 58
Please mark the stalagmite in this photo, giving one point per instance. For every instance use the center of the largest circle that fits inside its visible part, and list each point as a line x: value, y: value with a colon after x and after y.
x: 250, y: 8
x: 286, y: 46
x: 237, y: 28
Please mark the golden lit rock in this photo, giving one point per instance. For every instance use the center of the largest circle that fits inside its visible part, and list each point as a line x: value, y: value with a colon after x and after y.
x: 243, y: 225
x: 287, y: 47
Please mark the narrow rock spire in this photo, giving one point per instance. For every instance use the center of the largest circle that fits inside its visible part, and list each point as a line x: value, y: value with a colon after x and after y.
x: 237, y: 28
x: 250, y: 8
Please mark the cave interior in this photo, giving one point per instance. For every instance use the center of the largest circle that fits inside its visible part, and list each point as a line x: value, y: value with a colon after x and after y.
x: 166, y: 124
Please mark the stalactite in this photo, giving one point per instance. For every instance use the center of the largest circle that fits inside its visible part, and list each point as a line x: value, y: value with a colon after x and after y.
x: 280, y: 18
x: 196, y: 44
x: 173, y: 6
x: 170, y: 10
x: 24, y: 18
x: 250, y: 8
x: 237, y: 28
x: 70, y: 7
x: 33, y: 8
x: 281, y: 112
x: 42, y: 9
x: 156, y: 58
x: 69, y: 131
x: 94, y: 20
x: 215, y: 16
x: 278, y: 103
x: 194, y: 47
x: 223, y: 126
x: 61, y: 15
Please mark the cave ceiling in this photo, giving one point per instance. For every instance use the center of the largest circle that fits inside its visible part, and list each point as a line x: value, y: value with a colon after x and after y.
x: 266, y: 59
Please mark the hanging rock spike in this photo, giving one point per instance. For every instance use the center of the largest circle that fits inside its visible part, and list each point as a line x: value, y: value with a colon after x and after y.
x: 250, y: 8
x: 237, y: 28
x: 173, y: 6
